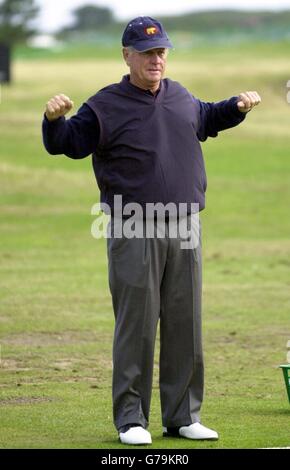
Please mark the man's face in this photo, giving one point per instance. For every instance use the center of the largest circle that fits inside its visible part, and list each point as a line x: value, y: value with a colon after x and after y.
x: 146, y: 68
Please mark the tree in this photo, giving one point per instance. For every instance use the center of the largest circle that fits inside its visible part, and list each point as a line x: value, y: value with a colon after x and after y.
x: 89, y: 18
x: 15, y: 19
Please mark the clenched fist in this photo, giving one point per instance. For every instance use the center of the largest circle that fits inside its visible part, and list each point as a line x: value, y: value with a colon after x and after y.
x: 248, y: 100
x: 58, y: 106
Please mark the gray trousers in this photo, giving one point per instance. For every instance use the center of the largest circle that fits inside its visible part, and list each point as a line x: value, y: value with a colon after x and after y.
x: 152, y: 279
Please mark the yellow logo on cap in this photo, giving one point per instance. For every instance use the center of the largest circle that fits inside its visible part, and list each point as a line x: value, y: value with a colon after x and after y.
x: 151, y: 30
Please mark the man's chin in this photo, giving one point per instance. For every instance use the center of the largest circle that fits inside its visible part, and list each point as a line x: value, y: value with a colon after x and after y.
x: 154, y: 77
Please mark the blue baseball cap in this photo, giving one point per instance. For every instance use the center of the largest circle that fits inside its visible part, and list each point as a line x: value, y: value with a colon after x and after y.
x: 145, y: 33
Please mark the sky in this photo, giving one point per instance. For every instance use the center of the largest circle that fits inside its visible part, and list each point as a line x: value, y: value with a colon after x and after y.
x: 57, y: 13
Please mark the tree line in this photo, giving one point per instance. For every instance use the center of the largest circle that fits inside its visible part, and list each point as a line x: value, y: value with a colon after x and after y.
x: 18, y: 16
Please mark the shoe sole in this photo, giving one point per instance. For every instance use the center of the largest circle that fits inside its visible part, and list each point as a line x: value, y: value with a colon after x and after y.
x: 166, y: 434
x: 138, y: 444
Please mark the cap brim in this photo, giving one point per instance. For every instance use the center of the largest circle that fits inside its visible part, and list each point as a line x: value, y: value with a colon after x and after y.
x: 143, y: 46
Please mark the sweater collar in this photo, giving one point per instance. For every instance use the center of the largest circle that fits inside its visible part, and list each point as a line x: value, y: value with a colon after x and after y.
x: 126, y: 84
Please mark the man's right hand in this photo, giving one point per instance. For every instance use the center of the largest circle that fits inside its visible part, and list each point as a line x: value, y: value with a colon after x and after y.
x: 58, y: 106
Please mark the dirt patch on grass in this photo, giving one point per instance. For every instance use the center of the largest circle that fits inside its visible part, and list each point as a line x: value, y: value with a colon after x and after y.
x: 25, y: 400
x: 49, y: 339
x: 4, y: 319
x: 231, y: 250
x: 12, y: 364
x: 63, y: 364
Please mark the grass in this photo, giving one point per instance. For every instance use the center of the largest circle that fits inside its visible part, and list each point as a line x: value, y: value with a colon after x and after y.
x: 56, y: 315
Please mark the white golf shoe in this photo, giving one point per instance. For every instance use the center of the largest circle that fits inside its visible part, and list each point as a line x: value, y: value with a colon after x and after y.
x: 194, y: 431
x: 135, y: 436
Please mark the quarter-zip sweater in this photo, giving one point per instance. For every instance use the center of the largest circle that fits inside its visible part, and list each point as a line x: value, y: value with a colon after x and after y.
x: 145, y: 147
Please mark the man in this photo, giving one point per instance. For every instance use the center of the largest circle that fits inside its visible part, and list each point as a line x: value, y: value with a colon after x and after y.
x: 144, y: 133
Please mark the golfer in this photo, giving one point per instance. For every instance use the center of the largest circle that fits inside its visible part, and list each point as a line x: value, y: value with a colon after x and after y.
x: 144, y: 133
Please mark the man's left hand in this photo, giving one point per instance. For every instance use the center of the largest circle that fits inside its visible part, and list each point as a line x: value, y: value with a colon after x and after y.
x: 247, y: 100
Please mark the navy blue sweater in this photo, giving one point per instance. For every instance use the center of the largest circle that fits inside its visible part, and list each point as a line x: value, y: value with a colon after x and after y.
x: 145, y: 147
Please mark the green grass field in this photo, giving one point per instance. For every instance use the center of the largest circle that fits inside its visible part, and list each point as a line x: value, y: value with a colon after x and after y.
x: 56, y: 316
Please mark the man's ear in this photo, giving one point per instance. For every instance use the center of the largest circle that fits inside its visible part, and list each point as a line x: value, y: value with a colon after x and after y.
x: 126, y: 55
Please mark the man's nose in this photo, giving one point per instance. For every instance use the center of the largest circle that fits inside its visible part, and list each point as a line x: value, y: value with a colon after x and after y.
x: 155, y: 59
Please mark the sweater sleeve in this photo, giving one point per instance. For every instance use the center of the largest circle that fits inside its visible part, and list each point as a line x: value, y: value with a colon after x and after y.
x: 216, y: 117
x: 76, y: 137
